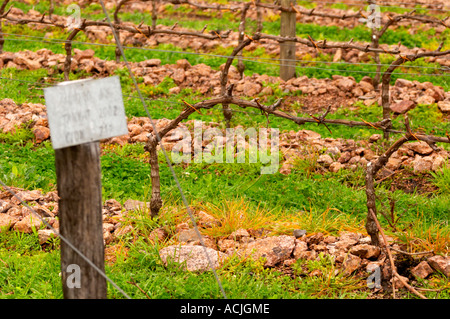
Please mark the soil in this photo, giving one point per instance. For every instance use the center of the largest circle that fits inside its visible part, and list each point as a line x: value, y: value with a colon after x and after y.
x: 409, y: 183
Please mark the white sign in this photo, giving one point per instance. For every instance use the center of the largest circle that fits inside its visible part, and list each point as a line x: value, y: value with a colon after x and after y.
x: 85, y: 111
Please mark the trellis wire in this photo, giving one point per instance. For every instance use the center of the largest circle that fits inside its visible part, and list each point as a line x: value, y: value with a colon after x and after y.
x: 248, y: 59
x: 65, y: 240
x: 252, y: 60
x: 163, y: 150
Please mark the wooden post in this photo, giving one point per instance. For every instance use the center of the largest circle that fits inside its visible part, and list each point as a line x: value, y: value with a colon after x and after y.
x: 78, y: 175
x: 287, y: 48
x: 2, y: 11
x: 240, y: 65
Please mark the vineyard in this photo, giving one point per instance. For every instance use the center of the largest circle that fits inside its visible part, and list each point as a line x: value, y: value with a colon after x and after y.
x: 348, y: 103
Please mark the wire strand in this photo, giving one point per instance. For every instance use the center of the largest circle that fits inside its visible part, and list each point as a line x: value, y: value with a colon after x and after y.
x: 122, y: 52
x: 65, y: 240
x: 252, y: 60
x: 361, y: 4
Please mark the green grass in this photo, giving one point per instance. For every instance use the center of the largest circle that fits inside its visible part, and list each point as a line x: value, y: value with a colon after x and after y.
x: 441, y: 179
x: 306, y: 198
x: 127, y: 177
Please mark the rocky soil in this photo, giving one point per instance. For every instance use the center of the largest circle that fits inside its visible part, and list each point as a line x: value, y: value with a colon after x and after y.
x: 412, y: 25
x: 102, y: 34
x: 351, y: 252
x: 338, y: 90
x: 332, y: 154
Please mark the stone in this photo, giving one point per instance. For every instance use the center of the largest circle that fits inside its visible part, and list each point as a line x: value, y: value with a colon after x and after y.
x: 6, y: 222
x: 30, y: 64
x: 444, y: 106
x: 267, y: 91
x: 425, y: 100
x: 397, y: 282
x: 307, y: 135
x: 206, y: 220
x: 422, y: 270
x: 120, y: 140
x: 374, y: 137
x: 132, y: 204
x: 178, y: 76
x: 369, y: 154
x: 370, y: 102
x: 422, y: 164
x: 335, y: 167
x: 175, y: 90
x: 320, y: 247
x: 26, y: 196
x: 123, y: 230
x: 201, y: 69
x: 273, y: 249
x: 140, y: 138
x: 134, y: 129
x: 227, y: 245
x: 192, y: 257
x: 438, y: 162
x: 325, y: 159
x: 158, y: 235
x: 357, y: 92
x: 321, y: 90
x: 182, y: 63
x: 300, y: 247
x: 345, y: 243
x: 440, y: 263
x: 330, y: 240
x: 354, y: 160
x: 351, y: 264
x: 82, y: 55
x: 403, y: 106
x: 107, y: 237
x: 435, y: 93
x: 113, y: 205
x: 289, y: 262
x: 306, y: 255
x: 207, y: 241
x: 365, y: 251
x: 403, y: 83
x: 4, y: 206
x: 345, y: 84
x: 150, y: 63
x: 41, y: 133
x: 299, y: 233
x: 367, y: 79
x: 365, y: 86
x: 251, y: 89
x: 108, y: 227
x: 45, y: 234
x: 314, y: 239
x: 180, y: 227
x: 345, y: 157
x: 188, y: 235
x: 393, y: 163
x: 420, y: 147
x: 27, y: 224
x: 237, y: 235
x: 43, y: 211
x: 338, y: 55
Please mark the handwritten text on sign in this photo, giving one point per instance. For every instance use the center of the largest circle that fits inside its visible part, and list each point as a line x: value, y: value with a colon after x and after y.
x: 85, y: 111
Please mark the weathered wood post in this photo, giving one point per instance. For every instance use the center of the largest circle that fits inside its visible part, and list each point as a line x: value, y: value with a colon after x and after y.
x: 80, y: 212
x: 80, y: 114
x: 287, y: 48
